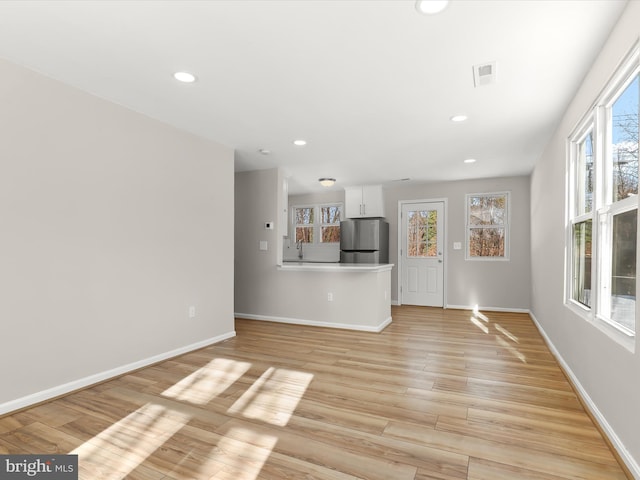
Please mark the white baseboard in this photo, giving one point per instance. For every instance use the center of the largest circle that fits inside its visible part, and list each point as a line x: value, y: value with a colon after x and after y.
x: 59, y: 390
x: 315, y: 323
x: 629, y: 461
x: 488, y: 309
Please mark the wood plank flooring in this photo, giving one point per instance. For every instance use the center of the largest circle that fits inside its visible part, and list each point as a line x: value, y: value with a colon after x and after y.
x: 440, y: 394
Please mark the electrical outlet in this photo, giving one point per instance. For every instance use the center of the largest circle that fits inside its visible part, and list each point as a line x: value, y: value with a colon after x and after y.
x: 192, y: 312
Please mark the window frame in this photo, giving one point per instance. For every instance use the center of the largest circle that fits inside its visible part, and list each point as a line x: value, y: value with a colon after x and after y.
x: 303, y: 225
x: 317, y: 224
x: 506, y: 225
x: 604, y: 206
x: 428, y: 232
x: 574, y: 217
x: 322, y: 225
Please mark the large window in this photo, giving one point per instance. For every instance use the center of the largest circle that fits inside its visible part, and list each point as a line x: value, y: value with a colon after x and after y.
x: 488, y: 226
x: 317, y: 223
x: 603, y: 205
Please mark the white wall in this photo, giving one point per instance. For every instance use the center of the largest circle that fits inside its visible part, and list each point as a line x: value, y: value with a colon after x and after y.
x: 489, y: 284
x: 112, y: 225
x: 256, y: 195
x: 607, y: 372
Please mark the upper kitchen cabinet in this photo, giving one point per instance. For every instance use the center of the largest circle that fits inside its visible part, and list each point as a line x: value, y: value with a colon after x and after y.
x: 364, y: 201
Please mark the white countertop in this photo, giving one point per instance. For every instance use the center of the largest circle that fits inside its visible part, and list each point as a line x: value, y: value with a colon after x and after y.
x: 335, y: 267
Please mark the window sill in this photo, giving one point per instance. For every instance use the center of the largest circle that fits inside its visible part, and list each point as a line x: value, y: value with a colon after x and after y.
x: 487, y: 259
x: 622, y: 338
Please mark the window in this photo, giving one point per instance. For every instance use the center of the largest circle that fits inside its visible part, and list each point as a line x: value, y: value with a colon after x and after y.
x: 304, y: 219
x: 317, y: 223
x: 582, y: 263
x: 582, y: 219
x: 488, y: 226
x: 330, y: 216
x: 603, y: 205
x: 422, y: 233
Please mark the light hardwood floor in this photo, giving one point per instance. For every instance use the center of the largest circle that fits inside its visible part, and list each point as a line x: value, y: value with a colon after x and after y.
x: 440, y: 394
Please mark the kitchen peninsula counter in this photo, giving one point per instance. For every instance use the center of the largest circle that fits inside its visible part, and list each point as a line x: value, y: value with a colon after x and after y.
x: 353, y: 296
x: 335, y: 267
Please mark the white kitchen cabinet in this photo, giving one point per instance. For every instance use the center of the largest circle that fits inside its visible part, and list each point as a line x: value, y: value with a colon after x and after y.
x: 364, y: 201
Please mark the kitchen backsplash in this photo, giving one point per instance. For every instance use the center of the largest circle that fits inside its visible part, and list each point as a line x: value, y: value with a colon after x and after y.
x: 311, y: 252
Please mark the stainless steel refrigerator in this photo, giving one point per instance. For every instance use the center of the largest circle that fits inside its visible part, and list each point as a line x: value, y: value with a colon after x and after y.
x: 364, y: 240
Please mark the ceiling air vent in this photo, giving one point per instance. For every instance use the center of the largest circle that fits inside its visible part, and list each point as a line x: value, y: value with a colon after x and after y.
x: 484, y: 74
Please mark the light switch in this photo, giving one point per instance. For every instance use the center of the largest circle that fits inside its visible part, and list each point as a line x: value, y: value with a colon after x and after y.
x: 264, y: 246
x: 457, y: 245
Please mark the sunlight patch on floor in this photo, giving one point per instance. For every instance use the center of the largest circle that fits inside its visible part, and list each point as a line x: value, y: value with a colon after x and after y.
x: 506, y: 333
x: 273, y: 397
x: 514, y: 351
x: 243, y: 460
x: 208, y: 382
x: 480, y: 315
x: 479, y: 324
x: 239, y: 454
x: 134, y: 438
x: 478, y: 318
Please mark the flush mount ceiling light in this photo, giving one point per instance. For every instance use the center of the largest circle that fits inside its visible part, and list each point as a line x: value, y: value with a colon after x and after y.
x: 458, y: 118
x: 300, y: 143
x: 429, y: 7
x: 470, y: 160
x: 184, y: 77
x: 327, y: 182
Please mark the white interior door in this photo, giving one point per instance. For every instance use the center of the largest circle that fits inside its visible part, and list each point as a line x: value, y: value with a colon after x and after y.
x: 421, y: 254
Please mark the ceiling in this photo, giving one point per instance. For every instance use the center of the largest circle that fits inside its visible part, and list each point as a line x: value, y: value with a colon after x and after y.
x: 370, y: 85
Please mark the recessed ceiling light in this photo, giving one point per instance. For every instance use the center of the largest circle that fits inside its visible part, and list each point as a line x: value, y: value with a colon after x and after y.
x: 458, y: 118
x: 184, y: 77
x: 430, y: 7
x: 300, y: 143
x: 470, y: 160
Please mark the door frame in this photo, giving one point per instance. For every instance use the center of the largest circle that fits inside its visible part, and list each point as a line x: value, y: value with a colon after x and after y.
x: 445, y: 250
